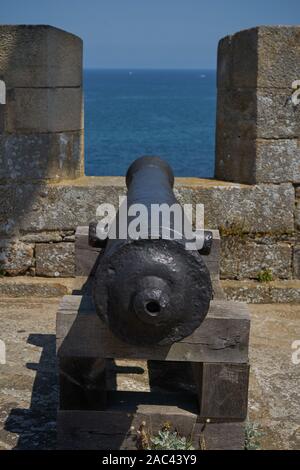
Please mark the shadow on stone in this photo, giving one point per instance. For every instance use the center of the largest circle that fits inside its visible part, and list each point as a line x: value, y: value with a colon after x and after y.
x: 36, y: 426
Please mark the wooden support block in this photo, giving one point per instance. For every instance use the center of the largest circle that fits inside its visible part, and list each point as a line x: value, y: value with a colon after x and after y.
x: 222, y: 337
x: 82, y: 384
x: 85, y: 256
x: 114, y: 429
x: 222, y: 390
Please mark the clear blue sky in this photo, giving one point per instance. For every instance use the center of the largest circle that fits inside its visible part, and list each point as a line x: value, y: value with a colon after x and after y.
x: 150, y: 33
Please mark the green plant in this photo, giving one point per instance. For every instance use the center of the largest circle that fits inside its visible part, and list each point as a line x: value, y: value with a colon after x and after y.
x: 265, y: 275
x: 253, y: 436
x: 168, y: 440
x: 2, y: 272
x: 164, y: 440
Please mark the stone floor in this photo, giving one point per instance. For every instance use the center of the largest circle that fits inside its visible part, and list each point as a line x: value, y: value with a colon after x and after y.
x: 28, y: 384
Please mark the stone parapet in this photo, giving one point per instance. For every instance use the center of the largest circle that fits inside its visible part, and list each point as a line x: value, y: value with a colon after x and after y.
x: 256, y: 222
x: 258, y: 122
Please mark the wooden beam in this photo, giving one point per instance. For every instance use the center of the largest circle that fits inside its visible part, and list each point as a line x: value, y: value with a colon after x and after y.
x: 222, y: 337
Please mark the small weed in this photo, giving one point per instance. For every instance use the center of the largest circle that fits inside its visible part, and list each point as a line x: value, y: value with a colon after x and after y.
x: 164, y: 440
x: 253, y: 436
x: 2, y: 272
x: 265, y: 275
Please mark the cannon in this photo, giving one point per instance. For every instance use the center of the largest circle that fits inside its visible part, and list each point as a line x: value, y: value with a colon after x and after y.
x: 151, y: 290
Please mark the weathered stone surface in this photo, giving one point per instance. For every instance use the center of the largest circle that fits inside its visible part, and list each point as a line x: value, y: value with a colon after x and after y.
x: 274, y: 378
x: 240, y: 209
x: 297, y: 214
x: 277, y: 117
x: 224, y: 63
x: 29, y: 395
x: 235, y: 159
x: 265, y: 56
x: 277, y: 161
x: 28, y: 287
x: 247, y: 291
x: 55, y: 260
x: 296, y: 261
x: 257, y: 113
x: 43, y: 110
x: 43, y: 287
x: 41, y: 156
x: 42, y: 237
x: 39, y: 56
x: 244, y: 259
x: 258, y: 161
x: 233, y: 207
x: 284, y: 291
x: 15, y: 257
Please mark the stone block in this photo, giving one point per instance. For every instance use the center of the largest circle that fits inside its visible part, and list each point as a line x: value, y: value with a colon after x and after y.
x: 258, y: 160
x: 277, y: 161
x: 15, y: 257
x: 242, y: 259
x: 39, y: 56
x: 42, y: 237
x: 43, y: 110
x: 55, y: 259
x: 263, y: 57
x: 41, y: 156
x: 235, y: 159
x: 297, y: 215
x: 251, y: 113
x: 296, y: 261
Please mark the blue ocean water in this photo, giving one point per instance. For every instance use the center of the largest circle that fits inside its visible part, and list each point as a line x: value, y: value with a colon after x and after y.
x: 170, y: 113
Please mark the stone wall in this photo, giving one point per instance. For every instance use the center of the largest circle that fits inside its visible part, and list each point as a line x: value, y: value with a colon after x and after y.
x: 256, y: 223
x: 44, y: 195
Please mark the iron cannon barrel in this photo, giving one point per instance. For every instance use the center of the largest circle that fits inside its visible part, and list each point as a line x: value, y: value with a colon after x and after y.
x: 151, y: 291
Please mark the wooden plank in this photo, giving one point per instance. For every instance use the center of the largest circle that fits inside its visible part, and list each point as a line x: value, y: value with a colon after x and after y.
x: 86, y: 256
x: 222, y: 337
x: 114, y: 429
x: 222, y: 390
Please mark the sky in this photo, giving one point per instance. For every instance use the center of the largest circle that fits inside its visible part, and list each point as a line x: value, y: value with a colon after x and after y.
x: 150, y: 33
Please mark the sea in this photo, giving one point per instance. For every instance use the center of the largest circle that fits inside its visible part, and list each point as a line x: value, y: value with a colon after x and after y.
x: 169, y: 113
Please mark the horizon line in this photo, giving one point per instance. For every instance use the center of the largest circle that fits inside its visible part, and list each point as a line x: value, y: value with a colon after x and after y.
x: 150, y: 68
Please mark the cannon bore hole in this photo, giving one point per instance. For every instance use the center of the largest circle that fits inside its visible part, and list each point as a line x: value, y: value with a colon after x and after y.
x: 153, y: 307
